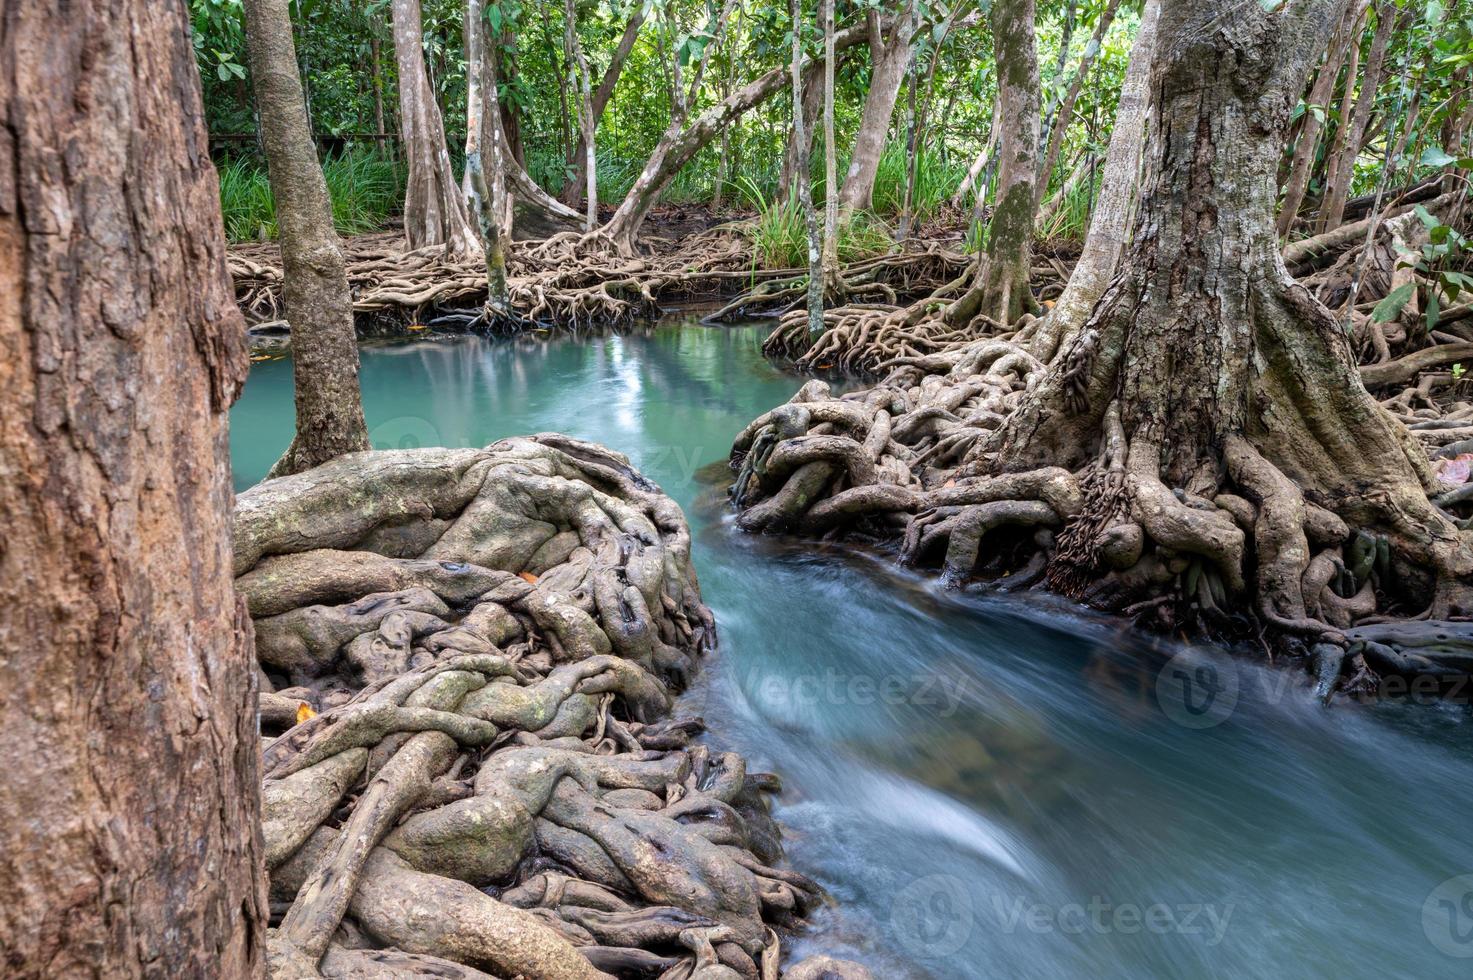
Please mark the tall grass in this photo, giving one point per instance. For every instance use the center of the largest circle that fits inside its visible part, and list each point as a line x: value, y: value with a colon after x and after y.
x: 779, y: 233
x: 936, y: 180
x: 365, y: 189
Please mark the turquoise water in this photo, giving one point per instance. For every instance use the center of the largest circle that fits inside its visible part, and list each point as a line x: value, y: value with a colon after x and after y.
x: 989, y: 787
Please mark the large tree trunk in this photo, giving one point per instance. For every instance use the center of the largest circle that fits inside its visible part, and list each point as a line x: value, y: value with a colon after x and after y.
x: 315, y: 282
x: 1205, y: 369
x: 1001, y: 289
x: 434, y: 208
x: 892, y: 58
x: 830, y: 155
x: 129, y: 814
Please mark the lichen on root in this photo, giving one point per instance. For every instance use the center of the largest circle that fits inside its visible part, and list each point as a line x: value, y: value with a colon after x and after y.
x: 468, y: 659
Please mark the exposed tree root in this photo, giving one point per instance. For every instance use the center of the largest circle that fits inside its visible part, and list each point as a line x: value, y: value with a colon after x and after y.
x: 570, y: 280
x: 468, y: 658
x: 927, y: 459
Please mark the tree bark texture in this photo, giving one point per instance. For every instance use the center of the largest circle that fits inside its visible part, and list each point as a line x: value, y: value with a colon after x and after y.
x: 434, y: 208
x: 314, y: 280
x: 129, y: 812
x: 887, y: 71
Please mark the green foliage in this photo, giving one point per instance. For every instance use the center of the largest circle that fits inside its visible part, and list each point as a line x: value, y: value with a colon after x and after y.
x: 365, y: 189
x: 779, y: 232
x: 936, y: 180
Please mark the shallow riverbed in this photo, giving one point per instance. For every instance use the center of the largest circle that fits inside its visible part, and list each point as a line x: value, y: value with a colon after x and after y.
x: 988, y: 786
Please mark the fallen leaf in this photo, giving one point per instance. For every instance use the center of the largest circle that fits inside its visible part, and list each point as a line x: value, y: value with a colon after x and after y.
x: 304, y: 711
x: 950, y: 483
x: 417, y: 327
x: 527, y: 577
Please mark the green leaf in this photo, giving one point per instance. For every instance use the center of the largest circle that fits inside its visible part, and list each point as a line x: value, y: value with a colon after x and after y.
x: 1427, y: 217
x: 1434, y: 310
x: 1436, y: 156
x: 223, y: 72
x: 1390, y: 307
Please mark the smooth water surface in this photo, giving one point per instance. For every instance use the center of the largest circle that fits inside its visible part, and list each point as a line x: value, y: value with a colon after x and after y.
x: 988, y: 787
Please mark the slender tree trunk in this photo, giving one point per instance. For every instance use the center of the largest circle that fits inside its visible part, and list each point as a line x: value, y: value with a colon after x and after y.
x: 886, y: 74
x: 980, y: 162
x: 830, y: 157
x: 578, y: 65
x: 803, y: 180
x: 1001, y: 291
x: 682, y: 142
x: 1342, y: 169
x: 434, y: 208
x: 1059, y: 120
x: 485, y: 197
x: 129, y: 809
x: 812, y: 102
x: 377, y: 84
x: 579, y: 159
x: 1206, y: 369
x: 1314, y: 121
x: 1110, y: 220
x: 318, y: 304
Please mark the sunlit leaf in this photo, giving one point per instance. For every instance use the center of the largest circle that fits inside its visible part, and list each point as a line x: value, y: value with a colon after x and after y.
x: 1390, y: 308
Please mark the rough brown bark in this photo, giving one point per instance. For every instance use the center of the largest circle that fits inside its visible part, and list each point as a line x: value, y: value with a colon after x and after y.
x: 1203, y: 343
x: 891, y: 59
x: 484, y: 198
x: 434, y: 208
x: 129, y: 805
x: 315, y: 283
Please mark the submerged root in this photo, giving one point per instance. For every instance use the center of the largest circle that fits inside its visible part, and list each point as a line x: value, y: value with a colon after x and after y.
x: 468, y: 766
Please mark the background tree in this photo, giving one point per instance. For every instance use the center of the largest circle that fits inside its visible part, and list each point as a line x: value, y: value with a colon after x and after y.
x: 803, y: 180
x: 434, y: 209
x: 315, y: 284
x: 131, y: 780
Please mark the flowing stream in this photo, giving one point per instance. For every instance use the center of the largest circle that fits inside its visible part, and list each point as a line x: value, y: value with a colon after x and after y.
x: 1000, y: 787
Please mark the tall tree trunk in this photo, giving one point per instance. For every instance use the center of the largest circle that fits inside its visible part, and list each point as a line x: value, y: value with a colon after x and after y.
x: 578, y: 66
x: 315, y: 281
x: 1342, y: 167
x: 1062, y: 114
x: 682, y: 141
x: 1314, y: 121
x: 803, y: 178
x: 434, y: 208
x: 377, y: 83
x: 484, y: 198
x: 893, y: 55
x: 1110, y: 220
x: 1001, y: 289
x: 129, y: 809
x: 830, y: 157
x: 579, y: 158
x: 1206, y: 369
x: 812, y: 102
